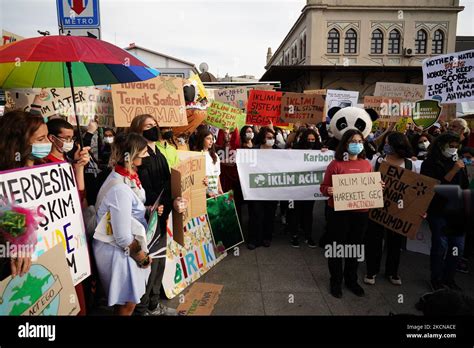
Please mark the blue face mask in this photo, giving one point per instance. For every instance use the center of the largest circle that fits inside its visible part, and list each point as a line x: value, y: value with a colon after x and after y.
x: 387, y: 149
x: 355, y: 149
x: 40, y: 150
x: 467, y: 161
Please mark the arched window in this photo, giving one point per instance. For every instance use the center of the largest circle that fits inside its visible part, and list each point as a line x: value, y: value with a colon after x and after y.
x: 333, y: 41
x: 394, y: 39
x: 350, y: 42
x: 438, y: 42
x: 376, y: 46
x: 304, y: 46
x: 420, y: 42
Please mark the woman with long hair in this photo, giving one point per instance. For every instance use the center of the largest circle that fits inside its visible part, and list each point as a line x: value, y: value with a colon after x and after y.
x: 205, y: 143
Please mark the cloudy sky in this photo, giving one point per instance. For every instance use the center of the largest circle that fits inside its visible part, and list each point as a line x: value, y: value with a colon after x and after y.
x: 232, y: 36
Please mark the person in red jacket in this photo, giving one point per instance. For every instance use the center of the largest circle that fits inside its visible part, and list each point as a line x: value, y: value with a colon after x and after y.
x: 345, y: 227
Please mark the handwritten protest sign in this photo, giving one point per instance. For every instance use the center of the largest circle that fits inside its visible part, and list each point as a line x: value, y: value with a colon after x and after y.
x: 201, y: 299
x: 236, y: 97
x: 264, y: 107
x: 450, y: 78
x: 45, y: 290
x: 405, y: 91
x: 300, y: 107
x: 341, y: 98
x: 51, y: 191
x: 161, y: 97
x: 407, y: 196
x: 390, y: 109
x: 357, y: 191
x: 225, y: 116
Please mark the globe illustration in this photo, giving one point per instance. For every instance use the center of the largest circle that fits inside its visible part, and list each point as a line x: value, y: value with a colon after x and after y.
x: 22, y: 292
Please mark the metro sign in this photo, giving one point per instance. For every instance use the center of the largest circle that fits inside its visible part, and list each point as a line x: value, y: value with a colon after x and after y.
x: 78, y: 13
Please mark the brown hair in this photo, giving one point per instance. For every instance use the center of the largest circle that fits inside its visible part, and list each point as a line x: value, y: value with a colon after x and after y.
x: 201, y: 135
x: 137, y: 123
x: 344, y: 143
x: 125, y: 148
x: 17, y: 128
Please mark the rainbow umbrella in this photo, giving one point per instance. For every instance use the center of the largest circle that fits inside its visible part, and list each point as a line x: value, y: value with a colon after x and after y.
x: 53, y: 61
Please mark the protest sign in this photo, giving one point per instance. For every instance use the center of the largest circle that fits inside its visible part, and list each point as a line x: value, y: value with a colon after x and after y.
x: 237, y: 97
x: 300, y: 107
x: 200, y: 299
x: 45, y: 290
x: 269, y: 175
x: 315, y: 91
x: 187, y: 182
x: 404, y: 91
x: 341, y: 98
x: 422, y: 241
x: 51, y: 191
x: 161, y: 97
x: 264, y: 107
x: 426, y: 113
x: 389, y: 109
x: 188, y: 262
x: 449, y: 78
x: 225, y: 116
x: 225, y: 225
x: 357, y: 191
x: 407, y: 196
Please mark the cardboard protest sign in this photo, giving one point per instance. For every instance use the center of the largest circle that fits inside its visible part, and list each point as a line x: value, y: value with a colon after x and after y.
x: 426, y: 113
x: 225, y: 116
x: 226, y: 230
x: 449, y: 78
x: 264, y: 107
x: 200, y: 299
x: 422, y: 241
x: 237, y: 97
x: 188, y: 262
x: 51, y: 191
x: 269, y: 175
x: 91, y: 103
x: 407, y: 196
x: 341, y: 98
x: 46, y: 289
x: 187, y: 182
x: 390, y: 109
x: 357, y: 191
x: 315, y: 91
x: 405, y: 91
x: 161, y: 97
x: 300, y: 107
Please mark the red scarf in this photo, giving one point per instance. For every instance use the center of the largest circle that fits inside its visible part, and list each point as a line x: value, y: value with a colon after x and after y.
x: 124, y: 172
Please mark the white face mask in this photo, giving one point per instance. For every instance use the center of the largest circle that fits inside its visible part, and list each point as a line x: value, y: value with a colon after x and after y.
x: 249, y: 136
x: 108, y: 140
x: 450, y: 151
x: 269, y: 142
x: 67, y: 147
x: 424, y: 145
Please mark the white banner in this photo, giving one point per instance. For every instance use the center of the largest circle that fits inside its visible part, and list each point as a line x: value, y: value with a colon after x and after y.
x: 281, y: 175
x: 341, y: 98
x: 51, y: 191
x: 450, y: 78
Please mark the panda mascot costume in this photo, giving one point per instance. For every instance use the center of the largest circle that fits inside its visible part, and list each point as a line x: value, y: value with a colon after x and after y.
x: 343, y: 119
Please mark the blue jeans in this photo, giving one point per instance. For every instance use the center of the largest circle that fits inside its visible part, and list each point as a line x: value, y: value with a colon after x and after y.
x: 444, y: 256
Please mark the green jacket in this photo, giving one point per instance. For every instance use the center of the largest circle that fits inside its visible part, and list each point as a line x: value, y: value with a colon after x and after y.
x: 170, y: 153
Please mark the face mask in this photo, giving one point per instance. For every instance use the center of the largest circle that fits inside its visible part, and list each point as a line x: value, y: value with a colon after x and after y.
x: 387, y: 149
x: 311, y: 144
x: 270, y: 142
x: 40, y: 150
x: 168, y: 135
x: 424, y: 145
x: 108, y: 140
x: 151, y: 134
x: 67, y: 147
x: 249, y: 136
x: 355, y: 149
x: 467, y: 161
x: 450, y: 152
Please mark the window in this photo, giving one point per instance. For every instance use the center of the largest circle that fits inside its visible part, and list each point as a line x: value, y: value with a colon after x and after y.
x: 394, y: 39
x: 303, y: 46
x: 376, y: 46
x: 350, y: 42
x: 420, y: 42
x: 287, y: 58
x: 438, y: 42
x: 294, y: 53
x: 333, y: 41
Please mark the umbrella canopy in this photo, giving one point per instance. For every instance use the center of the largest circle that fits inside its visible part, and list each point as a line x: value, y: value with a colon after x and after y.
x: 42, y: 62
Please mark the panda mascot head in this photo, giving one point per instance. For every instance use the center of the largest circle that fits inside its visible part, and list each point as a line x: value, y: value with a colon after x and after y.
x: 351, y: 118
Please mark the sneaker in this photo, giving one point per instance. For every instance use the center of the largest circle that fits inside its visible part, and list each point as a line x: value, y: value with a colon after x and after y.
x: 251, y: 246
x: 267, y: 243
x: 437, y: 285
x: 369, y: 280
x: 295, y: 243
x: 356, y: 289
x: 162, y: 310
x: 336, y: 291
x: 395, y: 280
x: 453, y: 286
x: 310, y: 242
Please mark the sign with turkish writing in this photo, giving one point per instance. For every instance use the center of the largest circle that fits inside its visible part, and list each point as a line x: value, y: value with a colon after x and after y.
x: 407, y: 196
x: 51, y: 192
x: 449, y: 78
x: 225, y: 116
x: 357, y: 191
x: 426, y: 113
x: 405, y: 91
x: 161, y: 97
x: 236, y: 97
x: 301, y: 107
x: 341, y: 98
x: 264, y: 107
x: 388, y: 108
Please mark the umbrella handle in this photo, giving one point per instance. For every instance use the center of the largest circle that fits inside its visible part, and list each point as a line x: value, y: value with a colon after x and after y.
x: 69, y: 71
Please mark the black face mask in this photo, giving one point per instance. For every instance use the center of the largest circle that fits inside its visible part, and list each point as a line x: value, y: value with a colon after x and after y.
x: 151, y: 134
x: 168, y: 135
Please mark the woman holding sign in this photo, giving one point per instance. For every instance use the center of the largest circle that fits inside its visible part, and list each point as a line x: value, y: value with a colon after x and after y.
x: 345, y: 227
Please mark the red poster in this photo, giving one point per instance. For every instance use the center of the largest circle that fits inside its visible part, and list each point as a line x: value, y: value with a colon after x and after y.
x: 264, y: 107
